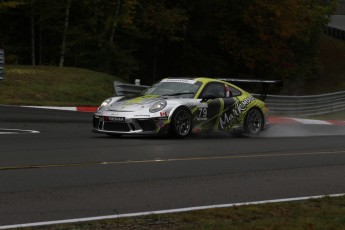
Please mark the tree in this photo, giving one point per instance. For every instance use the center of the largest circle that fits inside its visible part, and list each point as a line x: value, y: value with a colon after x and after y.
x: 64, y: 35
x: 5, y: 5
x: 278, y: 39
x: 162, y: 20
x: 153, y: 38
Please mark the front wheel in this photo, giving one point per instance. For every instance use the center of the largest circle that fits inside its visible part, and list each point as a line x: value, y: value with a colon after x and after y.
x: 181, y: 123
x: 254, y: 122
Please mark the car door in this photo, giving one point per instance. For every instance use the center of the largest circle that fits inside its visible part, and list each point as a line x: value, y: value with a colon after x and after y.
x: 208, y: 115
x: 230, y: 116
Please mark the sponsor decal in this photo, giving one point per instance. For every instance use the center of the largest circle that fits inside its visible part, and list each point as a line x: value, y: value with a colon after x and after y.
x: 140, y: 100
x: 197, y: 130
x: 163, y: 114
x: 239, y: 107
x: 180, y: 81
x: 117, y: 119
x: 141, y: 115
x: 161, y: 124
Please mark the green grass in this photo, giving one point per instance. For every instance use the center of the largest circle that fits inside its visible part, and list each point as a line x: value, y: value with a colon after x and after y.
x: 47, y: 85
x: 325, y: 213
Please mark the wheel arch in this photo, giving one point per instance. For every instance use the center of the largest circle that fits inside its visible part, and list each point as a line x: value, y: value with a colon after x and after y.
x: 173, y: 131
x: 172, y: 111
x: 262, y: 116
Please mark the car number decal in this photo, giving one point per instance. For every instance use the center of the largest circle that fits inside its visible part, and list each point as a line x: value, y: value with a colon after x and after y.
x: 202, y: 115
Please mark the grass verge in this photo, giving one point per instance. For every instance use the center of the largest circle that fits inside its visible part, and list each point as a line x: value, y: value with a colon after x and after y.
x: 47, y: 85
x: 325, y: 213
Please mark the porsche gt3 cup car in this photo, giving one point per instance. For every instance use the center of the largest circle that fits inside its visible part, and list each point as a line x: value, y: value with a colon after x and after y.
x: 180, y: 106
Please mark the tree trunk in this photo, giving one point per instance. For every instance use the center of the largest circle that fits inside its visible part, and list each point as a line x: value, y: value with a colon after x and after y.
x: 40, y: 45
x: 33, y: 51
x: 113, y: 28
x: 155, y: 58
x: 63, y: 45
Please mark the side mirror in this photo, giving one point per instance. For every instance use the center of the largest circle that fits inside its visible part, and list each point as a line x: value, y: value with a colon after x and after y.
x: 208, y: 96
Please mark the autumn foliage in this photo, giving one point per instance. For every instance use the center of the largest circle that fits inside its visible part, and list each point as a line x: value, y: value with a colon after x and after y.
x: 151, y: 39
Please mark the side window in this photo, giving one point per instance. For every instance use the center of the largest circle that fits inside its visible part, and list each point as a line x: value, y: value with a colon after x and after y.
x: 234, y: 92
x: 215, y: 89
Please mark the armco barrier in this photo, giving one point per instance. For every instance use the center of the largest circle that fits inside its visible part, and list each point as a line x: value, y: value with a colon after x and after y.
x: 335, y: 32
x: 307, y: 105
x: 2, y: 63
x: 336, y: 27
x: 283, y: 105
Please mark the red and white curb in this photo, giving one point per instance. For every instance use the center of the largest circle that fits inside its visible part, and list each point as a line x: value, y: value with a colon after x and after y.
x: 73, y: 108
x: 272, y: 119
x: 294, y: 121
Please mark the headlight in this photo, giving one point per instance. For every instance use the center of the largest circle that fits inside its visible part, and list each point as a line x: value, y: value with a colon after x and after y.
x: 158, y: 106
x: 104, y: 103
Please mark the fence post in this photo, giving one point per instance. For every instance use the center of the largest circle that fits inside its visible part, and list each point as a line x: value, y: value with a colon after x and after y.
x: 2, y: 63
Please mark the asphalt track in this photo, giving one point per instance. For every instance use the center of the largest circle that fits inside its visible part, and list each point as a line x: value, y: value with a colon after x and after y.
x: 65, y: 171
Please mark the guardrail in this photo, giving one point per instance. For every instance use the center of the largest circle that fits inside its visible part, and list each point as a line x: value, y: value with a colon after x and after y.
x: 336, y: 27
x: 306, y: 105
x: 283, y: 105
x: 2, y: 63
x: 335, y: 32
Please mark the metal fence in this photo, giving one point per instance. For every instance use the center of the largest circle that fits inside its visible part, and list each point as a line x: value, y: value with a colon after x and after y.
x: 307, y: 105
x: 283, y: 105
x: 335, y: 32
x: 336, y: 28
x: 2, y: 63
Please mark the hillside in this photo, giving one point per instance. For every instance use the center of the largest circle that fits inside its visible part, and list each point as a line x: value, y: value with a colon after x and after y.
x: 47, y: 85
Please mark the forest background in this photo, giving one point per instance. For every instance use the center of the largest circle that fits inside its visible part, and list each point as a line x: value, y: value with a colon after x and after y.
x: 152, y: 39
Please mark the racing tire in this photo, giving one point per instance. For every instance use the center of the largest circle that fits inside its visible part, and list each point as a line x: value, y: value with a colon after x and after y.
x: 181, y: 123
x: 253, y: 122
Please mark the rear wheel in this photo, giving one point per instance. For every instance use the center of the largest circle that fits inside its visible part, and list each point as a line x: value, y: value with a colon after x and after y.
x: 181, y: 123
x: 254, y: 121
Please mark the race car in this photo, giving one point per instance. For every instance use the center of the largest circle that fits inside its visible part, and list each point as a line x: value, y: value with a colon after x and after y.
x: 181, y: 106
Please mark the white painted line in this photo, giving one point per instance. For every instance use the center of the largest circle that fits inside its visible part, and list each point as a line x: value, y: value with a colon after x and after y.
x: 52, y: 107
x: 70, y: 221
x: 17, y: 131
x: 311, y: 122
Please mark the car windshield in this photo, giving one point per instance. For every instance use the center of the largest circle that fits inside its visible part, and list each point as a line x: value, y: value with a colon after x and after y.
x: 174, y: 87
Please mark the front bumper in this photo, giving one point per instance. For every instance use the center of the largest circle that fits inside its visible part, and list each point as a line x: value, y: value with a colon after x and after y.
x: 145, y: 126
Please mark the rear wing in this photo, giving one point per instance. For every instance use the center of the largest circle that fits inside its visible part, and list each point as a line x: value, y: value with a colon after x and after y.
x: 123, y: 89
x: 264, y: 84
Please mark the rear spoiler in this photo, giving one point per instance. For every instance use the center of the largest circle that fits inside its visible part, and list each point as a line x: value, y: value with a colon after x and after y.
x: 264, y: 84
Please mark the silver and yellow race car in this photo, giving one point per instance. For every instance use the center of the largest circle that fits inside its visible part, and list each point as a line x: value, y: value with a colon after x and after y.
x: 181, y: 106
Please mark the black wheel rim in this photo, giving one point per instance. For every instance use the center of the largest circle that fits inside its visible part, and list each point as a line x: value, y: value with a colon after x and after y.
x: 254, y: 121
x: 182, y: 123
